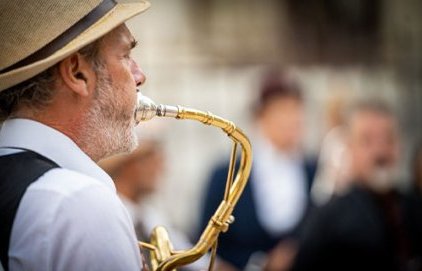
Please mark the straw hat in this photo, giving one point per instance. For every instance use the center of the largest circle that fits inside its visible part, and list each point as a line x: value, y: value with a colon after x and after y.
x: 36, y: 34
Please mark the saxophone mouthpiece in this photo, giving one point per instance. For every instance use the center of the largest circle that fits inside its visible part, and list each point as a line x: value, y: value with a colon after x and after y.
x: 146, y: 109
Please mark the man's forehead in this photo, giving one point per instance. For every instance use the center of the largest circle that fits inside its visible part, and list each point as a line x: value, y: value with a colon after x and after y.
x: 120, y: 34
x: 362, y: 122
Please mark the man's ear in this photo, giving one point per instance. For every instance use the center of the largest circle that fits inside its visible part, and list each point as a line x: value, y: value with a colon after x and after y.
x: 77, y: 74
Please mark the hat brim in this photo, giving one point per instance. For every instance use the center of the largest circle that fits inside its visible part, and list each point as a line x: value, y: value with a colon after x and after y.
x: 115, y: 17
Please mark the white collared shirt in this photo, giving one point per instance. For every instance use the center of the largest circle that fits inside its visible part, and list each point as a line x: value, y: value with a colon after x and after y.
x: 279, y: 187
x: 71, y: 217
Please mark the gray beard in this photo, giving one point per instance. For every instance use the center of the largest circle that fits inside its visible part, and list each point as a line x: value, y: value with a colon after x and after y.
x: 109, y: 126
x: 384, y: 179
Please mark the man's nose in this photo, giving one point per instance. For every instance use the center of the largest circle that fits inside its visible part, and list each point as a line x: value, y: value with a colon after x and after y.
x: 138, y: 74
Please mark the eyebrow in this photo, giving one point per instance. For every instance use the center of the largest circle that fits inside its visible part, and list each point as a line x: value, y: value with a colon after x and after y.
x: 133, y: 43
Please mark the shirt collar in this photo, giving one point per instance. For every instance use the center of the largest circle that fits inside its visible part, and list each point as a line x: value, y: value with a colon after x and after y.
x: 52, y: 144
x: 263, y: 148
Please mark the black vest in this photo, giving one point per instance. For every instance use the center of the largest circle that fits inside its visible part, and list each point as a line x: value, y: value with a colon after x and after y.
x: 17, y: 172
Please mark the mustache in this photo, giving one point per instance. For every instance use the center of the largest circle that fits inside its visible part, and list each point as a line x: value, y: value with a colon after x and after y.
x: 382, y: 161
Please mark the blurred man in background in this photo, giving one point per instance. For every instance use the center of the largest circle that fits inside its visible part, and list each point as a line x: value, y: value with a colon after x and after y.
x: 368, y: 228
x: 136, y: 176
x: 274, y: 203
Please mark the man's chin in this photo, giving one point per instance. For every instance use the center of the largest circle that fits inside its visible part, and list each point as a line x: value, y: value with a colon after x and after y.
x: 124, y: 142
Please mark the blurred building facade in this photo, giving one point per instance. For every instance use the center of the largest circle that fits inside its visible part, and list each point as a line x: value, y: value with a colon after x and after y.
x: 209, y: 55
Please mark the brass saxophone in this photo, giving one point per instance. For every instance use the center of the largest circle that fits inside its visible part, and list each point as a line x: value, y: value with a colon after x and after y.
x: 163, y: 257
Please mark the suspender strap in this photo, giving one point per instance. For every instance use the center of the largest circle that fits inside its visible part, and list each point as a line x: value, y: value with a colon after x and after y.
x: 17, y: 172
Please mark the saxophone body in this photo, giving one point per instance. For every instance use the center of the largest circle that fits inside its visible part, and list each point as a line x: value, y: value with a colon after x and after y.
x: 163, y: 257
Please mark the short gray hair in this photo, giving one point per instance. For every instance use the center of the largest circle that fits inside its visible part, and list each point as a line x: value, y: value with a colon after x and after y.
x: 38, y: 91
x: 369, y: 105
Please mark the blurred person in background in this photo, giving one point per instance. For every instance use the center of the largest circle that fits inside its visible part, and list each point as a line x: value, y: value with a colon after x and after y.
x: 371, y: 227
x: 276, y: 199
x: 137, y: 177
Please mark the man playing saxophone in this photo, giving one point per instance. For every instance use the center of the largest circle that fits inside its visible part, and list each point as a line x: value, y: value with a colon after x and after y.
x: 67, y: 99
